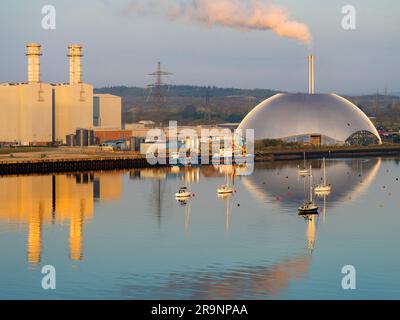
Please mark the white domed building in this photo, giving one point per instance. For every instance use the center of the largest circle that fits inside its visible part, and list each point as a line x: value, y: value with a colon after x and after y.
x: 326, y: 119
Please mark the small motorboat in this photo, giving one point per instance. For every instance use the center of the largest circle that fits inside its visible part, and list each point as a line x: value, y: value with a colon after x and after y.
x: 183, y: 193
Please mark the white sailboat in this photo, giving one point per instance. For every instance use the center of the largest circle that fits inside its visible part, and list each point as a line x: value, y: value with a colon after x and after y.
x: 324, y: 188
x: 309, y: 206
x: 184, y: 193
x: 304, y: 171
x: 226, y: 189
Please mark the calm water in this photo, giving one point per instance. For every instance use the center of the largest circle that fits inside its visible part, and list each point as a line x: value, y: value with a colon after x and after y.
x: 122, y: 235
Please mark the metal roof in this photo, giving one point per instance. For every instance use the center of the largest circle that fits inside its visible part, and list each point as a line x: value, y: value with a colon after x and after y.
x: 290, y: 115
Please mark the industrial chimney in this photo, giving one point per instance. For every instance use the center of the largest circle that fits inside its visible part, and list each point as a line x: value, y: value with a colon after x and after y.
x: 311, y: 82
x: 75, y: 69
x: 33, y: 52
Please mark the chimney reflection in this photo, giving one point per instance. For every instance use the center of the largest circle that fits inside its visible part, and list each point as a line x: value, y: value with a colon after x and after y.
x: 34, y: 201
x: 76, y: 233
x: 35, y: 236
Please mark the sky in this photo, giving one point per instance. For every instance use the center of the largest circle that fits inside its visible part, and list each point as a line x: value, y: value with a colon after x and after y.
x: 122, y: 46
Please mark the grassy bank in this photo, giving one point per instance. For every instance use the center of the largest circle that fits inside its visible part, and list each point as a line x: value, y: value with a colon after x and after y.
x: 267, y: 146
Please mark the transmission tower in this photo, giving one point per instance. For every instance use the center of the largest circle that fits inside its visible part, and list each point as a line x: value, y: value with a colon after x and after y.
x: 157, y: 87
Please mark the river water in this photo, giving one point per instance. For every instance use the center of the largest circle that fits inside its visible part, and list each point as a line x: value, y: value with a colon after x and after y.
x: 123, y: 235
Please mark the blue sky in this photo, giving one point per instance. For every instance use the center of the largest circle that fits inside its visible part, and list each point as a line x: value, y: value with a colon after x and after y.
x: 121, y: 48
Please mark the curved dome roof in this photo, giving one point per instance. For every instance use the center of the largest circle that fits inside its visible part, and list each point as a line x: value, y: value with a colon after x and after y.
x: 291, y: 115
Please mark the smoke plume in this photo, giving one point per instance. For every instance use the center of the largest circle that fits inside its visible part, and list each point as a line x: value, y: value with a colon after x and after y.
x: 237, y: 14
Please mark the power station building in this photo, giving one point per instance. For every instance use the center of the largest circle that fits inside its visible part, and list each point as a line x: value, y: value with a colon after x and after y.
x: 107, y: 111
x: 26, y: 108
x: 317, y: 119
x: 36, y: 113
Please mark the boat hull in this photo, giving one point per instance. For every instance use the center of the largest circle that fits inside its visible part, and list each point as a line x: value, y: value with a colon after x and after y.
x: 182, y: 197
x: 304, y: 211
x: 304, y: 173
x: 322, y: 189
x: 225, y: 192
x: 308, y: 208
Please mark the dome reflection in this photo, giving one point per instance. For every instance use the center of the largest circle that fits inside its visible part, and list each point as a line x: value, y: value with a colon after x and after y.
x: 280, y: 182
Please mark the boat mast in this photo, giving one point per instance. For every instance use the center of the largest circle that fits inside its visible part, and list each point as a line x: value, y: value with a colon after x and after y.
x: 311, y: 185
x: 324, y: 173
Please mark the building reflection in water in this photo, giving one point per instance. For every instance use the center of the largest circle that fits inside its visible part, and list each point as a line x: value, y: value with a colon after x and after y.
x: 256, y: 282
x: 276, y: 181
x: 279, y: 183
x: 159, y: 177
x: 37, y: 201
x: 34, y: 201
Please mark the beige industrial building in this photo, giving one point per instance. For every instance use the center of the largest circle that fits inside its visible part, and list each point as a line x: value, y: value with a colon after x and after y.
x: 26, y: 108
x: 107, y: 111
x: 73, y: 101
x: 73, y: 109
x: 36, y: 113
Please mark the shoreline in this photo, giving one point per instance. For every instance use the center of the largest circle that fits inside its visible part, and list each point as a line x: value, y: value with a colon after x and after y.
x: 64, y: 162
x: 356, y: 152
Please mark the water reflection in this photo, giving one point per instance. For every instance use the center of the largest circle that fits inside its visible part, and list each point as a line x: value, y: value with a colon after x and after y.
x: 227, y: 200
x: 248, y: 281
x: 60, y: 199
x: 31, y: 203
x: 34, y: 201
x: 243, y: 282
x: 253, y: 282
x: 185, y: 203
x: 280, y: 183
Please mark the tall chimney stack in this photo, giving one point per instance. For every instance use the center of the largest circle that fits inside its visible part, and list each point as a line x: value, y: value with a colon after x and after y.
x: 33, y: 53
x: 311, y: 81
x: 75, y: 67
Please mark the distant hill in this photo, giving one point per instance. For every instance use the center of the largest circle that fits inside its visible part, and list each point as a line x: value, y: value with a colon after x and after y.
x: 187, y: 104
x: 187, y: 91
